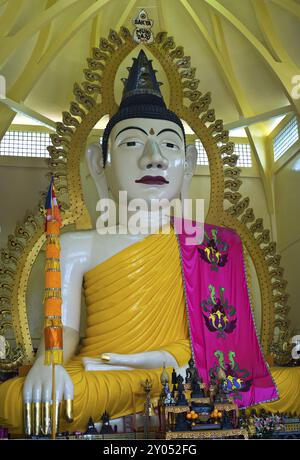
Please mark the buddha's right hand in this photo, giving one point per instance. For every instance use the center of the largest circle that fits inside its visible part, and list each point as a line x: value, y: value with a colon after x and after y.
x: 37, y: 397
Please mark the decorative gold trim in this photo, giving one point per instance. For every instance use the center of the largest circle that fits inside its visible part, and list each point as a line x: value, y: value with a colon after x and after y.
x: 176, y: 409
x: 206, y: 434
x: 227, y: 407
x: 200, y: 400
x: 95, y: 98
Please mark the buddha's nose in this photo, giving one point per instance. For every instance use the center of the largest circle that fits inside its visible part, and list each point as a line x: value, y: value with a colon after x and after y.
x: 152, y: 157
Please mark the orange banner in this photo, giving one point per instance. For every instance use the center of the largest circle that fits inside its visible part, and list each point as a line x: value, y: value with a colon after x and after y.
x: 53, y: 251
x: 52, y: 307
x: 53, y: 338
x: 52, y: 279
x: 53, y: 227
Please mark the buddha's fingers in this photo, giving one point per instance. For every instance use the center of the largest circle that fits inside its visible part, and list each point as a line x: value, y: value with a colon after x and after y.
x: 68, y: 390
x: 68, y: 395
x: 46, y: 417
x: 28, y: 418
x: 57, y: 409
x: 37, y: 418
x: 59, y: 390
x: 115, y: 359
x: 47, y: 392
x: 127, y: 360
x: 36, y: 412
x: 105, y: 357
x: 69, y: 410
x: 146, y: 360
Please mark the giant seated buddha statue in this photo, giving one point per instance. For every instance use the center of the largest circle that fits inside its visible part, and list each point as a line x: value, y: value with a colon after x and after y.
x: 140, y: 287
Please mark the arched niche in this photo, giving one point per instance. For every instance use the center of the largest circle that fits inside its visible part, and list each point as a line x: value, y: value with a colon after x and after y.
x: 95, y: 98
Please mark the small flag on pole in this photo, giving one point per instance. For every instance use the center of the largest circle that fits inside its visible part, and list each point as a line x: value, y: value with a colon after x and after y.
x: 53, y: 330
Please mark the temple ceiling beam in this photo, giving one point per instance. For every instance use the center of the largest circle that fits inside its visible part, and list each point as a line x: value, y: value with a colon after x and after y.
x: 221, y: 52
x: 261, y: 148
x: 11, y: 43
x: 95, y: 32
x: 222, y: 59
x: 24, y: 110
x: 68, y: 33
x: 284, y: 71
x: 266, y: 26
x: 289, y: 5
x: 39, y: 62
x: 21, y: 88
x: 161, y: 12
x: 243, y: 105
x: 10, y: 16
x: 96, y: 23
x: 244, y: 122
x: 124, y: 16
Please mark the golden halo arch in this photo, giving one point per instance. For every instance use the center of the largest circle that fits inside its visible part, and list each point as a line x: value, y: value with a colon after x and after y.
x: 67, y: 147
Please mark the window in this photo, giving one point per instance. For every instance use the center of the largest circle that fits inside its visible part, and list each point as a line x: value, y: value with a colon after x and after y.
x: 243, y: 150
x: 285, y: 138
x: 25, y: 144
x: 201, y: 154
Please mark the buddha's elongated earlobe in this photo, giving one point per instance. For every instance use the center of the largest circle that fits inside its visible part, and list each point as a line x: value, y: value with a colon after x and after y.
x: 189, y: 169
x: 95, y: 164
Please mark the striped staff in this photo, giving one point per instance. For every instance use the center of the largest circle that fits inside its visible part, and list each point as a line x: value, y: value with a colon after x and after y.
x: 53, y: 328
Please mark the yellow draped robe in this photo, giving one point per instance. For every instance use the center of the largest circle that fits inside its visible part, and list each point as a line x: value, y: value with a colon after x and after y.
x: 135, y: 303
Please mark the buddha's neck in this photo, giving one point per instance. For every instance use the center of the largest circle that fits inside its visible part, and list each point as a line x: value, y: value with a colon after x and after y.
x: 145, y: 222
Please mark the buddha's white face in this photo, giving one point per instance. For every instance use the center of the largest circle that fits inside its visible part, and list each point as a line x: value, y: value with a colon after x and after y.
x: 146, y: 158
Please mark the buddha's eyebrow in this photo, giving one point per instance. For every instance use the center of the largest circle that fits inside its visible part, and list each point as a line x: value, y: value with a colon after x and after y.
x: 131, y: 127
x: 169, y: 129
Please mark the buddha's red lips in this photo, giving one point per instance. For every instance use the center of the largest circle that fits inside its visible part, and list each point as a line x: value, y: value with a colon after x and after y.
x: 155, y: 180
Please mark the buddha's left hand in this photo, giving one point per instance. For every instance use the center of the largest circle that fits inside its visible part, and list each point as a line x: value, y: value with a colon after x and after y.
x: 146, y: 360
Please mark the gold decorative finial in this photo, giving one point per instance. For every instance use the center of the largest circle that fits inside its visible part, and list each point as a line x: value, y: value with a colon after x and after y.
x: 147, y: 385
x: 164, y: 378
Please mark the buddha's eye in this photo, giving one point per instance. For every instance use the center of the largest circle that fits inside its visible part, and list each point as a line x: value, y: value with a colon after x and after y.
x: 170, y: 145
x: 131, y: 144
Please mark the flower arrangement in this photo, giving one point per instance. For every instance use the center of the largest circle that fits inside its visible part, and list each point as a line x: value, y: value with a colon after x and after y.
x: 267, y: 424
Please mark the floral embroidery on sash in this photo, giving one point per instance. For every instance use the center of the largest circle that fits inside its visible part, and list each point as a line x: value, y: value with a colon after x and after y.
x: 214, y: 251
x: 232, y: 378
x: 218, y: 314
